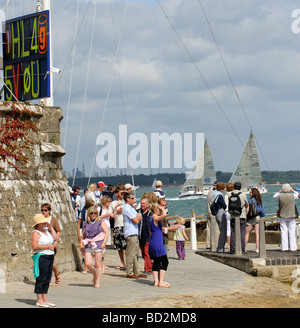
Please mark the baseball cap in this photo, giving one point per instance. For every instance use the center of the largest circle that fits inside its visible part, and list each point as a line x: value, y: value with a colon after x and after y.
x: 128, y: 186
x: 101, y: 184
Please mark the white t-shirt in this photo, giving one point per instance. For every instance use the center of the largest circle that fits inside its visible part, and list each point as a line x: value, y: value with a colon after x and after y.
x: 118, y: 221
x: 91, y: 195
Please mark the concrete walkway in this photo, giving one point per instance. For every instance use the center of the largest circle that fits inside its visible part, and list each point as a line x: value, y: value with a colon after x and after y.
x: 195, y: 275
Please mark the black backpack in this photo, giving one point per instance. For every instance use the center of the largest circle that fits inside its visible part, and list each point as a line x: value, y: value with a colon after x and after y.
x: 213, y: 207
x: 252, y: 213
x: 234, y: 204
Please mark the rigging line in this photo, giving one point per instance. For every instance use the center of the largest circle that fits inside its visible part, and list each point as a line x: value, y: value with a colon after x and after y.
x: 108, y: 93
x: 85, y: 94
x: 117, y: 57
x: 8, y: 88
x: 101, y: 125
x: 198, y: 70
x: 262, y: 154
x: 7, y: 2
x: 229, y: 76
x: 67, y: 59
x: 71, y: 78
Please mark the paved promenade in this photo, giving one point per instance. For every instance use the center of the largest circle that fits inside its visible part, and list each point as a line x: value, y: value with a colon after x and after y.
x: 196, y: 275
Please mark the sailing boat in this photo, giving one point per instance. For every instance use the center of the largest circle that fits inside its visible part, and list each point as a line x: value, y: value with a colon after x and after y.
x: 248, y: 169
x: 153, y: 184
x: 202, y: 177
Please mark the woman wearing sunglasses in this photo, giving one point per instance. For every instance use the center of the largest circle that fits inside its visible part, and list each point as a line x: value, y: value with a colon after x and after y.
x: 46, y: 211
x: 95, y: 235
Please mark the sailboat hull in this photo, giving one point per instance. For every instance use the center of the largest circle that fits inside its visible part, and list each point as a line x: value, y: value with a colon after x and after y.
x: 190, y: 194
x: 262, y: 190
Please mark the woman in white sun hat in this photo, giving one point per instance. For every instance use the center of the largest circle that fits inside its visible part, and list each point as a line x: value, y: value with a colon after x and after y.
x: 44, y: 241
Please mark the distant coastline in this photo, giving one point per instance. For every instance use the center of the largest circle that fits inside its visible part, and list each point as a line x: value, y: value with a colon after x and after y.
x: 173, y: 180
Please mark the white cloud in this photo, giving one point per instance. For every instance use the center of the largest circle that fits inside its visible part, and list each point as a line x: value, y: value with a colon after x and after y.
x: 162, y: 90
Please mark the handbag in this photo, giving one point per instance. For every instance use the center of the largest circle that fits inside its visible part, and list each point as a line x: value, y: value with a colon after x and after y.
x: 278, y: 211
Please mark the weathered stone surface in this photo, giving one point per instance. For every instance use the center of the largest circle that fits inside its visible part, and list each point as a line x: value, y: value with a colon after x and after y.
x: 21, y: 196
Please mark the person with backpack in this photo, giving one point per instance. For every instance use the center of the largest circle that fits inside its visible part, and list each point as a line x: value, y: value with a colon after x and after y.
x: 237, y: 208
x: 254, y: 215
x: 219, y: 208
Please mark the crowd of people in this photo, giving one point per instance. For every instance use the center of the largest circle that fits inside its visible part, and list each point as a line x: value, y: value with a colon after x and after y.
x: 105, y: 216
x: 222, y: 205
x: 136, y: 228
x: 108, y: 215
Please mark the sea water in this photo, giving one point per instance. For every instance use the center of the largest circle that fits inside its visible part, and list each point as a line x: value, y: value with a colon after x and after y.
x: 185, y: 206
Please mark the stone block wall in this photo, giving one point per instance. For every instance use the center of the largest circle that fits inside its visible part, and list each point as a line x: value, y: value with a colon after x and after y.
x: 21, y: 196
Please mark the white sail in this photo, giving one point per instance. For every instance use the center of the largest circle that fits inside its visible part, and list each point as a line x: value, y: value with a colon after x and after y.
x: 153, y: 184
x: 202, y: 176
x: 248, y: 169
x: 209, y: 174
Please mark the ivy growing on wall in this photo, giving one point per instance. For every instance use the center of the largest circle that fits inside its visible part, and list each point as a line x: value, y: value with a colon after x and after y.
x: 15, y: 136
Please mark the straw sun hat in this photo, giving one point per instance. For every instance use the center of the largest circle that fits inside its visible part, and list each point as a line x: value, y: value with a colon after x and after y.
x: 39, y: 218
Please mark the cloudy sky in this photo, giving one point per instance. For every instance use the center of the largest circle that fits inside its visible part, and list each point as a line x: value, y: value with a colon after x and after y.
x: 154, y: 67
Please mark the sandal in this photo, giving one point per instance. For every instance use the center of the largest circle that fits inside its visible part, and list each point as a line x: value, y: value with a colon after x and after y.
x: 57, y: 279
x: 165, y: 285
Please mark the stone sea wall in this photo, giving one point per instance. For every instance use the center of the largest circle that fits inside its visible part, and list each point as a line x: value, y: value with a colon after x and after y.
x: 21, y: 196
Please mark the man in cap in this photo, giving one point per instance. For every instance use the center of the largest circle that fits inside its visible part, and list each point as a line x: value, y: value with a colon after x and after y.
x: 100, y: 188
x: 129, y: 188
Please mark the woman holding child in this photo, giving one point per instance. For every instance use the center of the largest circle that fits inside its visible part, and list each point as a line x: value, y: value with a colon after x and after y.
x: 157, y: 250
